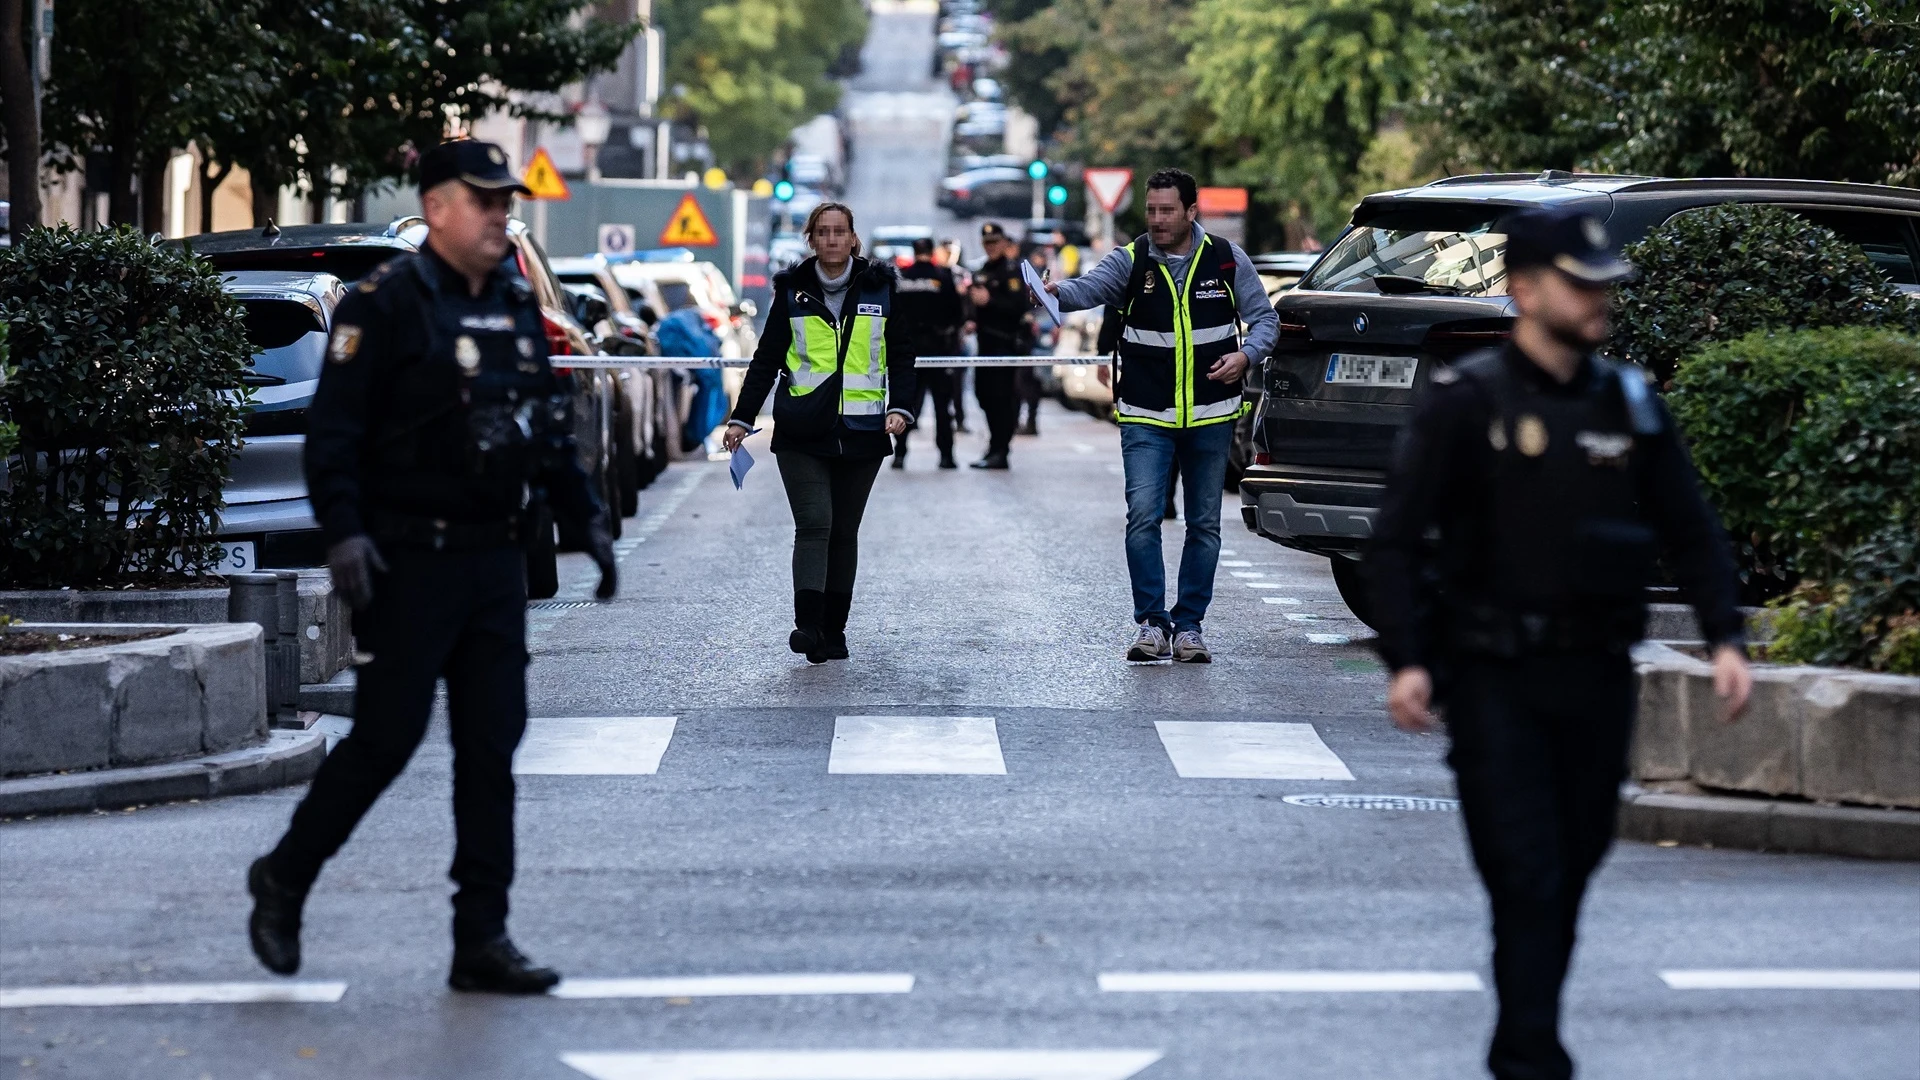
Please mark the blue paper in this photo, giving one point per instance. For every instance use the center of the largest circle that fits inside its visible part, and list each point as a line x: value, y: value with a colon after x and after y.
x: 739, y: 462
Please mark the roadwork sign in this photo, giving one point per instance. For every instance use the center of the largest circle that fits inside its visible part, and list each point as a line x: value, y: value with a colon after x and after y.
x: 543, y: 179
x: 1107, y: 186
x: 688, y: 226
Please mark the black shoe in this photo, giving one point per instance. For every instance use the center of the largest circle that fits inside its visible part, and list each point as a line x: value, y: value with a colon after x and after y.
x: 1030, y: 428
x: 899, y: 461
x: 274, y: 927
x: 991, y: 461
x: 498, y: 968
x: 833, y: 626
x: 947, y: 462
x: 807, y: 636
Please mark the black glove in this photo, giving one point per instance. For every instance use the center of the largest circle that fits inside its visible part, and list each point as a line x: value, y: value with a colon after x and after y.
x: 353, y: 562
x: 600, y: 550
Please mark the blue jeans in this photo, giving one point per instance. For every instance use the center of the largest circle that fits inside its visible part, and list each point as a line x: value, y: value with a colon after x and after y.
x: 1149, y: 455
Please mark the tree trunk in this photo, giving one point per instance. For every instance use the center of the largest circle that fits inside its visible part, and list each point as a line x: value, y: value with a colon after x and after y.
x: 322, y: 178
x: 210, y: 183
x: 21, y: 118
x: 153, y: 193
x: 266, y: 196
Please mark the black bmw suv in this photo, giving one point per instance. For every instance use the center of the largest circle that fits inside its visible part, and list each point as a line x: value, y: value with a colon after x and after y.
x: 1418, y: 280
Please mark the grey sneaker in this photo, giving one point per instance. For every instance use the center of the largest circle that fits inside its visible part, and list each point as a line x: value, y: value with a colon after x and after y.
x: 1149, y: 644
x: 1190, y: 648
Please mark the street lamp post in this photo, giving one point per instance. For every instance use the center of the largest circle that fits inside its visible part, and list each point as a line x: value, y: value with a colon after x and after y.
x: 594, y: 125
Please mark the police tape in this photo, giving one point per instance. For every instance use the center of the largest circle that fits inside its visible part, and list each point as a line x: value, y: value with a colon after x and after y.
x: 687, y: 362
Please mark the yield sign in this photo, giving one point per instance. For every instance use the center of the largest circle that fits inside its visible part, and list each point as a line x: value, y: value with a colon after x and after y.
x: 1107, y: 186
x: 866, y: 1065
x: 688, y: 227
x: 543, y: 180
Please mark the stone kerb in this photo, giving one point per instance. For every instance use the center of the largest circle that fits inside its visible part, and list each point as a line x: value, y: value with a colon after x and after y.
x: 1822, y: 734
x: 195, y: 692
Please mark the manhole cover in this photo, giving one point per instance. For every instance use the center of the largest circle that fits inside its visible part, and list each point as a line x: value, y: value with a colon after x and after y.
x: 1375, y: 802
x: 558, y: 605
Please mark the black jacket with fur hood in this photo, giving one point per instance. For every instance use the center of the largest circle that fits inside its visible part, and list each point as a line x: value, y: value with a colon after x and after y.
x: 769, y: 366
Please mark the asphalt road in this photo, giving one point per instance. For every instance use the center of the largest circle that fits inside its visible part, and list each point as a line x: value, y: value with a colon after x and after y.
x: 697, y: 802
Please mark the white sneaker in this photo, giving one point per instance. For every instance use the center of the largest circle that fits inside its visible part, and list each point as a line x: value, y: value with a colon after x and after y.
x: 1190, y: 648
x: 1149, y: 645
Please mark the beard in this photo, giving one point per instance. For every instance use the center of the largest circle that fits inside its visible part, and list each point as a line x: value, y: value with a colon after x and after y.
x: 1581, y: 335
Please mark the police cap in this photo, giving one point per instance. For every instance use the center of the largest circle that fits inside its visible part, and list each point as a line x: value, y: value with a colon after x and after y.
x: 992, y: 231
x: 477, y: 164
x: 923, y: 245
x: 1568, y: 240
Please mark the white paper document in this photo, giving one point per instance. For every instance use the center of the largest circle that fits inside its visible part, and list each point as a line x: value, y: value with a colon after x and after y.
x: 1047, y: 299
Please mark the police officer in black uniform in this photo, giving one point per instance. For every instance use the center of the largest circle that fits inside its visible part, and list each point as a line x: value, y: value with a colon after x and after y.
x: 1000, y: 313
x: 1554, y: 481
x: 926, y: 300
x: 435, y: 416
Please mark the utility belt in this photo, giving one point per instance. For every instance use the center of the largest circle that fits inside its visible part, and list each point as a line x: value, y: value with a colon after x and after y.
x: 439, y: 534
x: 1489, y: 631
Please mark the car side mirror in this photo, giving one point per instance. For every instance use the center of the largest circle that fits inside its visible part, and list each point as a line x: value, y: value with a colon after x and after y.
x: 590, y: 310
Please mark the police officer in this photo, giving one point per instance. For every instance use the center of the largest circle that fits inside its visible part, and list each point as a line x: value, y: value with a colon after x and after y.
x: 1553, y: 479
x: 927, y: 301
x: 1000, y: 313
x: 435, y: 413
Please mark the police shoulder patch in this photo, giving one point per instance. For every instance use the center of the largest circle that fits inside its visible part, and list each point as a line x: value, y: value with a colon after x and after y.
x: 346, y: 342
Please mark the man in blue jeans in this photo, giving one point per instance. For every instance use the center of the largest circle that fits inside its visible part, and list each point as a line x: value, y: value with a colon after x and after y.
x: 1184, y: 296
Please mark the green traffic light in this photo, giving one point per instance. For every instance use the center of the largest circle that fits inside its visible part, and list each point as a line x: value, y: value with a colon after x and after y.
x: 783, y: 191
x: 1037, y: 170
x: 1057, y: 195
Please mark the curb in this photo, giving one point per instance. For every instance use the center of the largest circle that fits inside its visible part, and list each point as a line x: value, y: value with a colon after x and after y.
x: 334, y: 697
x: 1769, y: 825
x: 287, y: 757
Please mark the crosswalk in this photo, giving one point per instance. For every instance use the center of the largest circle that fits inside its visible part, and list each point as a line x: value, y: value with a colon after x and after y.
x: 932, y: 746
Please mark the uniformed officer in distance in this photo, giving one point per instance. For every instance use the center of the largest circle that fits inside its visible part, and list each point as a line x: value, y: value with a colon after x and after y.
x: 1553, y: 479
x: 435, y: 412
x: 1000, y: 313
x: 927, y: 301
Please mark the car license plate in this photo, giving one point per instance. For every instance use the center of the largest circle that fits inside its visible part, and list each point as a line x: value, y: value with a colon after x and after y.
x: 236, y: 557
x: 1351, y: 369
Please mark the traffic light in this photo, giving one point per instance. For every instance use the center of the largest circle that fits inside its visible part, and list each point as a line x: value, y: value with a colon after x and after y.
x: 1037, y: 169
x: 1057, y: 195
x: 783, y: 191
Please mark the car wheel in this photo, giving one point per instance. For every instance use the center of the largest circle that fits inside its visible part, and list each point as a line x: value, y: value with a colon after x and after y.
x: 1352, y: 583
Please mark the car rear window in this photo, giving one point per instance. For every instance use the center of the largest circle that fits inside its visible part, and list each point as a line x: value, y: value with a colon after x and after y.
x: 276, y: 324
x: 677, y: 294
x: 1453, y: 248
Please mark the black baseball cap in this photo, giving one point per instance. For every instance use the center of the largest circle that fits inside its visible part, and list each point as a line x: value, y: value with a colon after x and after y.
x: 1568, y: 240
x: 992, y: 231
x: 923, y: 245
x: 477, y: 164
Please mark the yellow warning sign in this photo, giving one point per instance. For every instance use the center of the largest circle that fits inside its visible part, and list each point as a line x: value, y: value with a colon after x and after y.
x: 543, y: 180
x: 688, y: 227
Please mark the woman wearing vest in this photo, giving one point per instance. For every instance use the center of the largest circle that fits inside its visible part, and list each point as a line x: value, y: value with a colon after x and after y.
x: 841, y: 370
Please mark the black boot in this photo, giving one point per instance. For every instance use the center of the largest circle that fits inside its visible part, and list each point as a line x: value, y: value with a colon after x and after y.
x: 274, y: 927
x: 807, y: 637
x: 498, y: 968
x: 833, y: 625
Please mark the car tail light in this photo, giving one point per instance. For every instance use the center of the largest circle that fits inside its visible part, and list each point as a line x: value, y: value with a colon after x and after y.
x: 558, y: 343
x: 1293, y: 329
x: 961, y: 193
x: 1261, y: 457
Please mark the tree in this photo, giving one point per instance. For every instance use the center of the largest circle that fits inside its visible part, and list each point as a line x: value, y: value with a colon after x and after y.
x: 750, y: 71
x: 19, y: 120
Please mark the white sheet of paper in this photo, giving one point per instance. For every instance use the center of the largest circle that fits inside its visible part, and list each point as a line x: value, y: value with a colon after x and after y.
x: 1047, y: 299
x: 740, y: 462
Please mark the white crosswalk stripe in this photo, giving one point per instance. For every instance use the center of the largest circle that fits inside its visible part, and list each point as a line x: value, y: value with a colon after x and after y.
x: 1289, y: 982
x: 1791, y: 979
x: 1233, y: 750
x: 691, y: 986
x: 920, y: 745
x: 211, y: 993
x: 594, y: 745
x: 864, y: 1064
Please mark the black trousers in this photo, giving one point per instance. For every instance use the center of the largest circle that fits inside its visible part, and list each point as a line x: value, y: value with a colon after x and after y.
x: 1539, y: 750
x: 828, y: 496
x: 1027, y: 392
x: 461, y: 616
x: 939, y: 383
x: 993, y: 388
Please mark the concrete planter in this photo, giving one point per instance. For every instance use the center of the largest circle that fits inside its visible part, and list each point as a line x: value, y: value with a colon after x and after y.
x: 326, y: 628
x: 1827, y: 735
x: 195, y: 692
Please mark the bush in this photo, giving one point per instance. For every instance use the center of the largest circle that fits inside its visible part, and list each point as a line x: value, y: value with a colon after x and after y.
x: 1722, y: 272
x: 124, y: 393
x: 1809, y: 444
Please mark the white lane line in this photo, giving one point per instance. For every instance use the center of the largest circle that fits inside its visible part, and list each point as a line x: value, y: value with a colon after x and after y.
x: 968, y: 745
x: 1234, y: 562
x: 864, y: 1064
x: 1300, y: 616
x: 1234, y: 750
x: 1262, y: 584
x: 1289, y: 982
x: 1248, y: 573
x: 593, y: 745
x: 1228, y: 551
x: 1790, y: 979
x: 229, y: 993
x: 734, y: 986
x: 1288, y: 600
x: 1329, y: 639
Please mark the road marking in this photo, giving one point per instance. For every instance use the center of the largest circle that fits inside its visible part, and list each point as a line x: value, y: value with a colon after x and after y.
x: 1300, y: 616
x: 1234, y: 562
x: 593, y: 745
x: 1289, y: 982
x: 1289, y: 600
x: 1235, y: 750
x: 229, y: 993
x: 1248, y: 573
x: 896, y: 745
x: 1228, y: 551
x: 733, y: 986
x: 865, y: 1064
x: 1329, y: 639
x: 1790, y: 979
x: 1262, y: 584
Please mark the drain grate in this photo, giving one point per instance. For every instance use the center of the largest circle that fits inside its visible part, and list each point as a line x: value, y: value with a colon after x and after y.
x: 1375, y: 802
x: 559, y: 605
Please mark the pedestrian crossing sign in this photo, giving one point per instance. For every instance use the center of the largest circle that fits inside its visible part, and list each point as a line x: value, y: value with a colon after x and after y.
x: 543, y: 178
x: 688, y: 226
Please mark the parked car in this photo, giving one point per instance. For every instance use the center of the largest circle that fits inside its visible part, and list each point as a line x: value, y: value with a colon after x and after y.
x: 896, y: 242
x: 640, y: 420
x: 348, y: 252
x: 1418, y: 280
x: 700, y: 285
x: 994, y: 191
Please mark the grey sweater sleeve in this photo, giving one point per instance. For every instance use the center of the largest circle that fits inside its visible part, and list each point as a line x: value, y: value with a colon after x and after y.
x: 1106, y: 283
x: 1255, y: 309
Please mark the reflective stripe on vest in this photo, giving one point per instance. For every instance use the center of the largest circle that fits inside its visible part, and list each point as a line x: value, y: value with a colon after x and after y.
x: 1164, y: 362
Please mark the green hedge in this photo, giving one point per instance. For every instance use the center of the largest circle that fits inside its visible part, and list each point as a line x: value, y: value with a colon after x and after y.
x: 124, y: 393
x: 1809, y: 444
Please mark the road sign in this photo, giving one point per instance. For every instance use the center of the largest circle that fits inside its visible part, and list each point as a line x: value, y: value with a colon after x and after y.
x: 688, y: 226
x: 616, y: 239
x: 543, y: 179
x: 1107, y: 186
